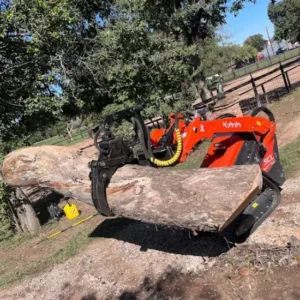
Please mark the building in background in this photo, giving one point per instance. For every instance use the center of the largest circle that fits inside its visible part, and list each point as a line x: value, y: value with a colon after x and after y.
x: 270, y: 49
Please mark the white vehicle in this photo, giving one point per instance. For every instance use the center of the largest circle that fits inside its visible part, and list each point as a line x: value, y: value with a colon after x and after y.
x: 211, y: 78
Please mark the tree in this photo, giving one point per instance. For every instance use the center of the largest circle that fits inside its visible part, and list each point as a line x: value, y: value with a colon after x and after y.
x: 217, y: 57
x: 187, y: 20
x: 39, y: 40
x: 245, y: 55
x: 133, y: 65
x: 50, y: 54
x: 39, y: 43
x: 285, y: 15
x: 147, y: 56
x: 256, y: 41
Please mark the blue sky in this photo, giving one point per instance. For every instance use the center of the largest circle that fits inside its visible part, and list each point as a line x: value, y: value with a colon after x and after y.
x: 251, y: 20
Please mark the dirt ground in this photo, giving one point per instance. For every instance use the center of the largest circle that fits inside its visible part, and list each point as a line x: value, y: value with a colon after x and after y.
x: 129, y: 260
x: 132, y: 260
x: 275, y: 85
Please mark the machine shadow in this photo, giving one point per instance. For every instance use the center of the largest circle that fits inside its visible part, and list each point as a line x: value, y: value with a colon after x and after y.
x: 171, y: 240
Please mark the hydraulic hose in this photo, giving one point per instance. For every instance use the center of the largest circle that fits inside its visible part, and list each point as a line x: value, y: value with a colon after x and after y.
x: 147, y: 148
x: 174, y: 158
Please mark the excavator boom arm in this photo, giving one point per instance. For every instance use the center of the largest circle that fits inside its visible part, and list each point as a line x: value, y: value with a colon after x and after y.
x: 198, y: 130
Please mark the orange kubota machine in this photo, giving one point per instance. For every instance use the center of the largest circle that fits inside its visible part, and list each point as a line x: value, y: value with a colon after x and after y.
x: 234, y: 141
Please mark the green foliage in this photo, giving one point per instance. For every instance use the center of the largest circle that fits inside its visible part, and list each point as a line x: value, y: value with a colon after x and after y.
x: 256, y: 41
x: 187, y: 20
x: 5, y: 214
x: 289, y: 157
x: 219, y: 57
x: 39, y: 41
x: 6, y: 222
x: 285, y: 15
x: 133, y: 65
x: 64, y: 58
x: 244, y: 54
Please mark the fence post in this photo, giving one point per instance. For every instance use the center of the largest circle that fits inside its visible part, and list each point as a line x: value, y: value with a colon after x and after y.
x: 284, y: 78
x: 255, y: 91
x: 265, y: 94
x: 288, y: 79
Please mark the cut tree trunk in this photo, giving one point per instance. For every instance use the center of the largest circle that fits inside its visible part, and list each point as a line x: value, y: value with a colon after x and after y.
x: 29, y: 221
x: 23, y: 215
x: 202, y: 199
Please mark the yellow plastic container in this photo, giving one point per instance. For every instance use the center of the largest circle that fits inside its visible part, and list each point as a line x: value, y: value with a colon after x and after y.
x: 71, y: 211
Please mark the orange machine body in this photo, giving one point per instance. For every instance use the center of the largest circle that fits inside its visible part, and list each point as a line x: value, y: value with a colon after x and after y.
x: 228, y: 136
x: 156, y: 134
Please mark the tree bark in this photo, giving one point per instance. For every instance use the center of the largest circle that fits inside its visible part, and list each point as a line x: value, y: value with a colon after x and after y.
x: 202, y: 199
x: 22, y: 213
x: 29, y: 220
x: 26, y: 218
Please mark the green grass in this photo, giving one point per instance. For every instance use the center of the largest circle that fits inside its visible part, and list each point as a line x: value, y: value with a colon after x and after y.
x: 76, y: 139
x: 18, y: 274
x: 49, y: 141
x: 64, y: 141
x: 30, y: 268
x: 15, y: 241
x: 79, y: 241
x: 290, y: 158
x: 195, y: 159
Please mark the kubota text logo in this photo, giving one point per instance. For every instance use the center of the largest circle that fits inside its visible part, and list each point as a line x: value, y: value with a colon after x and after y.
x: 230, y: 124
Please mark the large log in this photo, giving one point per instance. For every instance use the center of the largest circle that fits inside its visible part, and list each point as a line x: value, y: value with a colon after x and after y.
x: 200, y: 198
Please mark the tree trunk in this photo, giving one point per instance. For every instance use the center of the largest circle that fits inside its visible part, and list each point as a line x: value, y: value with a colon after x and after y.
x: 25, y: 217
x: 22, y: 213
x: 202, y: 199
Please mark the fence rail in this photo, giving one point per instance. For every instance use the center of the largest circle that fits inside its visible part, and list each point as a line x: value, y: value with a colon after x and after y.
x: 60, y: 141
x: 259, y: 65
x: 156, y: 122
x: 262, y: 90
x: 257, y: 91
